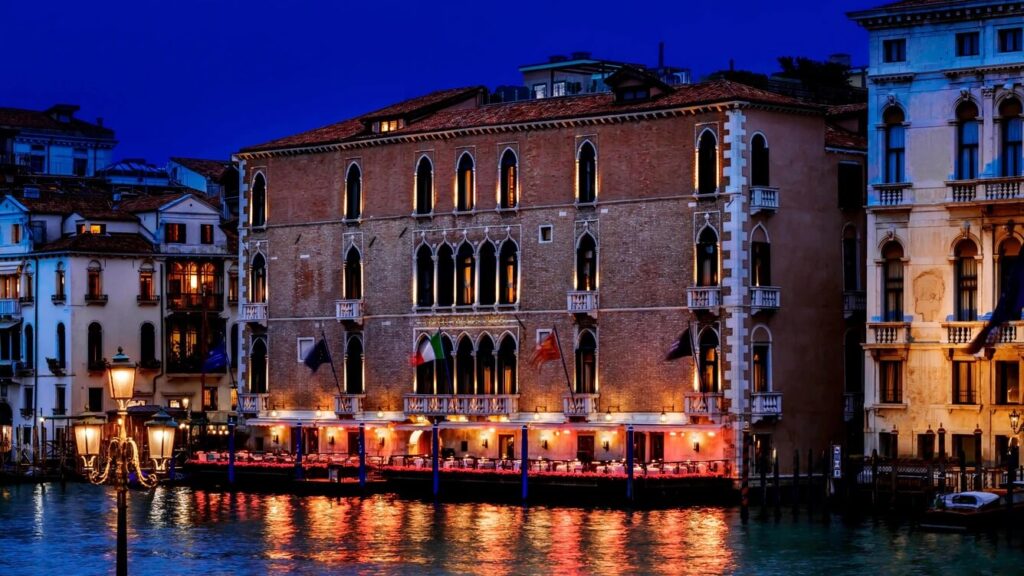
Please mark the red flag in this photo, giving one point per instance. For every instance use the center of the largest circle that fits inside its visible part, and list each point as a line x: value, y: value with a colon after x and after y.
x: 546, y: 351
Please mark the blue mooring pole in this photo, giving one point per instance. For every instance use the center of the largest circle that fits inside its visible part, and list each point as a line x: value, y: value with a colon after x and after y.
x: 629, y: 463
x: 435, y: 442
x: 362, y: 455
x: 524, y: 464
x: 298, y: 454
x: 231, y: 450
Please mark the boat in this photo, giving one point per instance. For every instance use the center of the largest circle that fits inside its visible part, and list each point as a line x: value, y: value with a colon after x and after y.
x: 960, y: 511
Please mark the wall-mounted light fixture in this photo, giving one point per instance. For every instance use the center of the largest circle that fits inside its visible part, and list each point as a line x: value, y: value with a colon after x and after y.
x: 484, y: 443
x: 696, y: 442
x: 544, y: 442
x: 380, y: 413
x: 608, y: 415
x: 663, y: 418
x: 276, y: 439
x: 606, y: 443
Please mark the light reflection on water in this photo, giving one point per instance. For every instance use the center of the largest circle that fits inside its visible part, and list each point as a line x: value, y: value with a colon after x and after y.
x: 50, y: 530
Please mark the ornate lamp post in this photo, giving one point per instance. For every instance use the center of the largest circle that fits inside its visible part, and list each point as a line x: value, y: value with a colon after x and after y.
x: 122, y: 453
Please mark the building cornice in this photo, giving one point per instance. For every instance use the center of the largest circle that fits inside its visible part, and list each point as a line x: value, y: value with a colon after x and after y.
x: 980, y: 71
x: 901, y: 78
x: 553, y: 124
x: 899, y: 17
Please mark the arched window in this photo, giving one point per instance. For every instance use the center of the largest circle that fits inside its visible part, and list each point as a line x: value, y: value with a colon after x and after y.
x: 488, y: 274
x: 854, y: 362
x: 258, y: 366
x: 353, y: 193
x: 760, y: 259
x: 147, y: 292
x: 761, y: 361
x: 507, y: 366
x: 62, y: 346
x: 424, y: 371
x: 464, y: 372
x: 354, y: 365
x: 966, y: 141
x: 353, y: 275
x: 586, y: 364
x: 258, y: 280
x: 966, y: 281
x: 508, y: 193
x: 94, y: 348
x: 586, y: 173
x: 147, y: 345
x: 1010, y: 137
x: 30, y: 347
x: 466, y: 262
x: 485, y: 383
x: 586, y: 263
x: 1009, y: 251
x: 892, y: 282
x: 758, y: 161
x: 509, y: 272
x: 445, y: 276
x: 94, y: 287
x: 464, y: 189
x: 424, y: 276
x: 708, y: 362
x: 445, y: 383
x: 233, y: 353
x: 58, y: 282
x: 707, y: 163
x: 894, y: 145
x: 851, y: 260
x: 707, y: 258
x: 424, y: 186
x: 258, y: 210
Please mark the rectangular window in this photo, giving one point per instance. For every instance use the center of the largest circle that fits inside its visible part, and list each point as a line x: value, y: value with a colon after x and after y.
x: 895, y: 147
x: 174, y: 233
x: 967, y: 44
x: 1010, y: 40
x: 303, y: 346
x: 388, y: 126
x: 206, y: 233
x: 890, y: 381
x: 963, y: 383
x: 851, y: 186
x: 209, y: 398
x: 96, y: 399
x: 926, y: 446
x: 80, y: 166
x: 963, y: 444
x: 58, y: 289
x: 1007, y: 382
x: 60, y: 403
x: 28, y: 400
x: 761, y: 369
x: 15, y: 233
x: 888, y: 445
x: 558, y: 88
x: 232, y: 287
x: 894, y: 50
x: 92, y: 228
x: 146, y: 285
x: 540, y: 91
x: 967, y: 150
x: 545, y: 233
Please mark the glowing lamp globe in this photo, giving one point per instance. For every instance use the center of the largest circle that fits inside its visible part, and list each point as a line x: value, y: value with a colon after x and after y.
x: 88, y: 434
x: 160, y: 431
x: 121, y: 376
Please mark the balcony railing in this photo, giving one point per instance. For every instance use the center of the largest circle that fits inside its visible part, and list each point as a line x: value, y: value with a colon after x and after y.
x: 854, y: 301
x: 148, y: 299
x: 891, y: 194
x: 96, y: 299
x: 764, y: 297
x: 10, y: 307
x: 582, y: 302
x: 853, y: 404
x: 249, y: 403
x: 467, y: 405
x: 348, y: 404
x: 705, y: 404
x: 962, y: 190
x: 889, y: 332
x: 961, y: 332
x: 348, y: 309
x: 703, y: 297
x: 1003, y: 188
x: 763, y: 198
x: 185, y: 301
x: 253, y: 312
x: 580, y: 405
x: 766, y: 404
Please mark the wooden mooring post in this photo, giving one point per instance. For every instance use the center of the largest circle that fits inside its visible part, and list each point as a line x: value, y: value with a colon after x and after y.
x: 777, y: 487
x: 795, y: 488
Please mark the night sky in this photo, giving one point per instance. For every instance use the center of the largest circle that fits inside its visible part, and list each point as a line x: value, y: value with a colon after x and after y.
x: 205, y: 78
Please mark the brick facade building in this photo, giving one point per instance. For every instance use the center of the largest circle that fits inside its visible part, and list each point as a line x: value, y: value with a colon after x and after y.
x: 618, y: 220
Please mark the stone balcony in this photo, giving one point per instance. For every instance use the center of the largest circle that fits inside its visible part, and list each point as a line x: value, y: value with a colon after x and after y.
x: 888, y: 333
x: 348, y: 404
x: 764, y: 298
x: 985, y: 189
x: 461, y: 404
x: 582, y: 302
x: 894, y: 195
x: 351, y: 310
x: 703, y: 298
x: 253, y: 312
x: 765, y: 405
x: 854, y: 301
x: 253, y: 403
x: 580, y: 405
x: 960, y: 332
x: 764, y: 199
x: 703, y: 404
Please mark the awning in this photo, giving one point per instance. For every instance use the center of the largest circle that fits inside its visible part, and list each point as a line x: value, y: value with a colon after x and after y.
x: 10, y: 266
x: 9, y: 324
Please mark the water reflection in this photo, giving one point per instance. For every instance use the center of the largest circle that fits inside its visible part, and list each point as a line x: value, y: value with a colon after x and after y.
x: 181, y: 531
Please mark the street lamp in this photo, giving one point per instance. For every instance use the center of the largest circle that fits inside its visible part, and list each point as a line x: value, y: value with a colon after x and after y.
x: 122, y: 453
x: 1015, y: 423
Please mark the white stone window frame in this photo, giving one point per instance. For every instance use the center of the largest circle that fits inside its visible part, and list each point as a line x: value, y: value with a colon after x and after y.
x: 303, y: 345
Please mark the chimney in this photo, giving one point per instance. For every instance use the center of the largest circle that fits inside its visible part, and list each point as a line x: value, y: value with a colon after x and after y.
x: 661, y: 54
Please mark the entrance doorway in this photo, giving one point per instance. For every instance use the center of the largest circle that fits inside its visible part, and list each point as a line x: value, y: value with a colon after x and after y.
x: 640, y: 446
x: 507, y: 446
x: 585, y: 448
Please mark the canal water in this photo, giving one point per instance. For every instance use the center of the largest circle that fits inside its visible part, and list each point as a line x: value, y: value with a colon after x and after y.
x: 49, y: 530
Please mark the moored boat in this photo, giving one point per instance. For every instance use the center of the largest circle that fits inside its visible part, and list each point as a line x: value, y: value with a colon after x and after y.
x: 964, y: 511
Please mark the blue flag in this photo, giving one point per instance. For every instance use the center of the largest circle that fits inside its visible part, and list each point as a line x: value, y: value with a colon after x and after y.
x: 318, y: 355
x: 217, y: 360
x: 1007, y: 308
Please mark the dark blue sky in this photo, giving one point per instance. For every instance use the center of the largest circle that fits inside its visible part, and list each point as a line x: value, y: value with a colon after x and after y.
x: 206, y: 77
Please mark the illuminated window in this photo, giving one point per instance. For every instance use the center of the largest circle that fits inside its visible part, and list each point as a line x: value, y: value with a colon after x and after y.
x: 424, y: 186
x: 540, y: 91
x: 464, y: 190
x: 761, y: 366
x: 507, y: 366
x: 206, y: 233
x: 586, y: 264
x: 509, y: 273
x: 209, y: 398
x: 92, y: 228
x: 586, y: 173
x: 892, y: 282
x: 174, y: 233
x: 146, y: 284
x: 509, y: 191
x: 890, y: 381
x: 389, y: 126
x: 15, y: 233
x: 966, y: 277
x: 586, y: 364
x: 558, y: 88
x: 466, y: 274
x: 708, y: 362
x: 258, y: 280
x: 963, y: 383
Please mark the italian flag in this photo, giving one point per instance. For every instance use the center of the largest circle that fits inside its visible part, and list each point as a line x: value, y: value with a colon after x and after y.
x: 429, y: 351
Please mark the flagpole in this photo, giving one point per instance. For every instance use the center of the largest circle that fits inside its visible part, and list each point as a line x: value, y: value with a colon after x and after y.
x: 572, y: 395
x: 330, y: 359
x: 696, y: 356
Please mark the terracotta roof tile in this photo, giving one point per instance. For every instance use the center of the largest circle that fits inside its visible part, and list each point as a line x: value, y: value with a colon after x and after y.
x: 148, y: 203
x: 837, y: 137
x: 38, y: 120
x: 212, y: 169
x: 844, y: 109
x: 101, y: 243
x: 91, y: 206
x: 528, y: 111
